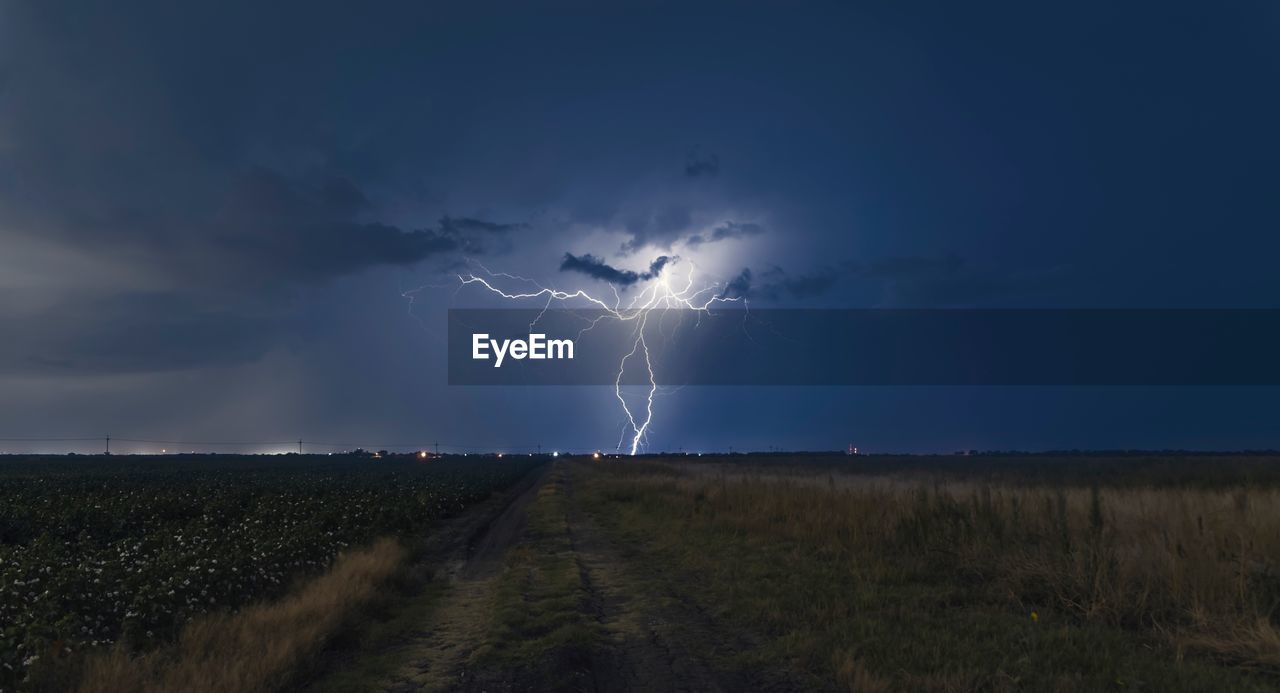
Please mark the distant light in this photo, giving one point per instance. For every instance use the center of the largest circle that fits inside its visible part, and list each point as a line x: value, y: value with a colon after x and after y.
x: 422, y: 454
x: 162, y: 451
x: 555, y: 454
x: 499, y: 455
x: 596, y: 455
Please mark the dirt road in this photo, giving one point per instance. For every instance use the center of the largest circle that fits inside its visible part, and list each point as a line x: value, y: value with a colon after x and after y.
x: 543, y: 598
x: 651, y: 640
x: 436, y: 659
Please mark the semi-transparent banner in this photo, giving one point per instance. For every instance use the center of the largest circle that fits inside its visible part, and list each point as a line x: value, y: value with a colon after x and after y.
x: 864, y: 347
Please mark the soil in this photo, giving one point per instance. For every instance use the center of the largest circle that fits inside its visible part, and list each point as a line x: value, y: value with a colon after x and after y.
x: 654, y: 637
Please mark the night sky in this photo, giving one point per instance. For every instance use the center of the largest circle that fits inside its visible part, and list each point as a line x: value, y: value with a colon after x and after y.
x: 209, y: 216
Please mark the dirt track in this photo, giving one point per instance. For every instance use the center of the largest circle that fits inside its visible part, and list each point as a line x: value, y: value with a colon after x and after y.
x: 435, y: 659
x: 650, y: 637
x: 658, y: 639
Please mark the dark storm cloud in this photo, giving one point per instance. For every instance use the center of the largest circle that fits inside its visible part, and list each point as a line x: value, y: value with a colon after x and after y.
x: 739, y: 286
x: 465, y: 225
x: 661, y: 228
x: 327, y: 249
x: 809, y: 285
x: 121, y: 136
x: 597, y: 268
x: 142, y: 332
x: 197, y: 212
x: 904, y: 281
x: 696, y: 165
x: 656, y: 266
x: 295, y: 230
x: 243, y: 182
x: 727, y: 230
x: 477, y: 236
x: 774, y: 283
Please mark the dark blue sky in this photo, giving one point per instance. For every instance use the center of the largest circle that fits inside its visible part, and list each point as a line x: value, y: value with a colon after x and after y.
x: 208, y: 216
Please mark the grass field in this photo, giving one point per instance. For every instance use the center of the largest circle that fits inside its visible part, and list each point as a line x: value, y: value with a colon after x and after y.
x: 936, y: 582
x: 735, y: 573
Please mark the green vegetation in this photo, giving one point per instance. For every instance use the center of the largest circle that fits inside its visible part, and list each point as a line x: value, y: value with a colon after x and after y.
x: 867, y: 574
x: 261, y: 648
x: 542, y: 632
x: 918, y: 582
x: 96, y: 552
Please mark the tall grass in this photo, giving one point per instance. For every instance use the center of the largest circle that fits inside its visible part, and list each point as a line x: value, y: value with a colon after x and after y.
x: 1198, y: 569
x: 260, y: 648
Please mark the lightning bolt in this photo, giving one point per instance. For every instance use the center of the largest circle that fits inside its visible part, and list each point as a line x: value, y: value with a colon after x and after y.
x: 658, y: 294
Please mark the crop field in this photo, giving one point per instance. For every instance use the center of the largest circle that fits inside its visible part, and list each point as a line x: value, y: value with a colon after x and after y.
x: 787, y: 573
x: 97, y: 551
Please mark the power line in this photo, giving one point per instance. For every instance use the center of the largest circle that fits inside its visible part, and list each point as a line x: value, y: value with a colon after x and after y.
x: 50, y: 440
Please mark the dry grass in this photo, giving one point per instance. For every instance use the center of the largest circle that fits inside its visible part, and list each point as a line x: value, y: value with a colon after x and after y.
x: 1196, y: 569
x: 1205, y: 561
x: 852, y: 674
x: 260, y: 648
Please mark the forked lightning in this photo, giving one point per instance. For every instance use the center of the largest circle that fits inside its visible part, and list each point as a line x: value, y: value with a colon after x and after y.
x: 658, y: 293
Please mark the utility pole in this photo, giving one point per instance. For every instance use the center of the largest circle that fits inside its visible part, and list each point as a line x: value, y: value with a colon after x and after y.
x: 108, y: 444
x: 299, y: 446
x: 539, y: 448
x: 437, y: 448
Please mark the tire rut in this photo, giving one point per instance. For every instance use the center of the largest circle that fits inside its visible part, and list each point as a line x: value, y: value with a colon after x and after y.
x: 653, y: 636
x: 435, y: 659
x: 650, y: 642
